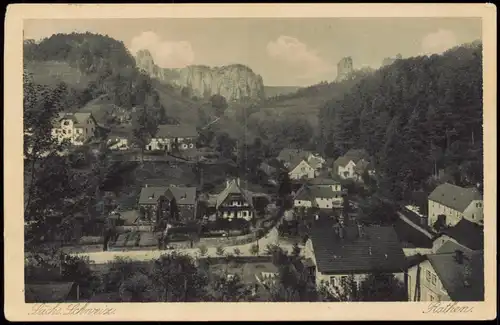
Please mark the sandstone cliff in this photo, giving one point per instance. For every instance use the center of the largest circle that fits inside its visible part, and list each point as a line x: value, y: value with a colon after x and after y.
x: 234, y: 82
x: 344, y: 69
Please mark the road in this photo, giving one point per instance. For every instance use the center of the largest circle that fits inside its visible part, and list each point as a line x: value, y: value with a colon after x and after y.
x: 103, y: 257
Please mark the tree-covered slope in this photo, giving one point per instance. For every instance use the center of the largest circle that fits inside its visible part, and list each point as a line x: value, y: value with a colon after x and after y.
x: 415, y: 117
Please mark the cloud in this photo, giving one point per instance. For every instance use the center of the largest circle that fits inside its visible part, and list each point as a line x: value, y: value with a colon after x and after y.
x: 166, y: 54
x: 438, y: 42
x: 298, y: 56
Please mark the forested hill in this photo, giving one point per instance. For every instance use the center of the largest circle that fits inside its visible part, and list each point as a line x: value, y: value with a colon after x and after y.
x: 415, y: 116
x: 91, y: 65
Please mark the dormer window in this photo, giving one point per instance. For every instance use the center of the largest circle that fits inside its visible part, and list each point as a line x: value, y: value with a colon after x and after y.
x: 66, y: 122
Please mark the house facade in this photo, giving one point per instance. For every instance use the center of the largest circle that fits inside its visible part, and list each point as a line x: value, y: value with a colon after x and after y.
x: 172, y: 137
x: 77, y: 128
x: 450, y: 274
x: 234, y: 202
x: 322, y: 196
x: 454, y: 203
x: 353, y: 164
x: 337, y: 251
x: 301, y: 170
x: 154, y: 202
x: 185, y: 199
x: 292, y: 157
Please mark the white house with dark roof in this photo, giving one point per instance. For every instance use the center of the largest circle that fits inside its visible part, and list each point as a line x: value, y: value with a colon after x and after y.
x: 353, y: 164
x: 292, y: 157
x: 300, y: 169
x: 455, y: 203
x: 320, y: 194
x: 77, y: 128
x: 234, y: 202
x: 335, y: 251
x: 452, y: 273
x: 170, y: 136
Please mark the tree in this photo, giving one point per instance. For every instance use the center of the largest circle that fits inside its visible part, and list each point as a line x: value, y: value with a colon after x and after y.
x: 203, y: 250
x: 177, y: 279
x: 76, y: 269
x: 144, y: 129
x: 341, y: 291
x: 220, y: 251
x: 296, y: 250
x: 376, y: 211
x: 225, y: 145
x: 227, y: 288
x: 254, y: 249
x: 382, y: 287
x: 285, y: 187
x: 219, y: 103
x: 174, y: 209
x: 237, y: 251
x: 137, y: 288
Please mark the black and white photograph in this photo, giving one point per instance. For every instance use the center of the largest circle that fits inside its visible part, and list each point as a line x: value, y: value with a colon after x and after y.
x: 253, y: 159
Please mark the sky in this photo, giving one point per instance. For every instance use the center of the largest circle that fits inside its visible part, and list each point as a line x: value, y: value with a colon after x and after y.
x: 284, y: 51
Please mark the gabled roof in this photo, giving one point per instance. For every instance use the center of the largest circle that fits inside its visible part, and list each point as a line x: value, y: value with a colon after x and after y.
x: 455, y: 197
x: 315, y: 162
x: 453, y: 275
x: 357, y: 154
x: 342, y: 161
x: 183, y: 195
x: 151, y: 194
x: 78, y: 118
x: 233, y: 188
x: 48, y: 292
x: 176, y: 131
x: 378, y: 250
x: 451, y: 247
x: 312, y: 192
x: 323, y: 181
x: 288, y: 154
x: 297, y: 161
x: 467, y: 233
x: 363, y: 165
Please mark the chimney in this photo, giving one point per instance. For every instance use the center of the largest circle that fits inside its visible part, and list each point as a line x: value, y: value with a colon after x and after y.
x: 459, y: 256
x: 423, y: 220
x: 238, y: 181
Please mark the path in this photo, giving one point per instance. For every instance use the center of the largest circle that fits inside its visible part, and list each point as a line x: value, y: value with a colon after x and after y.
x: 103, y: 257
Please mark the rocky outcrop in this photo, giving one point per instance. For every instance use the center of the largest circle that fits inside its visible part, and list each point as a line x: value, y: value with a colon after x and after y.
x: 344, y: 69
x: 234, y: 82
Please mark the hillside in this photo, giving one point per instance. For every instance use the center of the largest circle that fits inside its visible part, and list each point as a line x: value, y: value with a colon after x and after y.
x: 415, y: 117
x: 272, y: 91
x: 99, y: 73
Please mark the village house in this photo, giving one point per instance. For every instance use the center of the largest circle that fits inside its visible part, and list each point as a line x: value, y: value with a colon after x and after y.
x: 119, y: 139
x: 451, y: 203
x: 452, y: 273
x: 234, y: 202
x: 154, y: 202
x: 466, y: 234
x: 353, y: 165
x: 300, y: 169
x: 336, y: 250
x: 77, y: 128
x: 291, y: 157
x: 171, y: 137
x: 320, y: 193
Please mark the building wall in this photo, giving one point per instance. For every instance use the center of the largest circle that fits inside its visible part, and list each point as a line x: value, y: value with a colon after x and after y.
x: 77, y: 135
x: 302, y: 203
x: 431, y: 288
x: 167, y: 143
x: 474, y: 212
x: 302, y: 170
x: 238, y: 214
x: 436, y: 209
x: 119, y: 144
x: 327, y: 203
x: 349, y: 169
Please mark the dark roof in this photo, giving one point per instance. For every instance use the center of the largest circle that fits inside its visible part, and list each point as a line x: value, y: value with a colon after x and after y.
x: 378, y: 250
x: 467, y: 233
x: 342, y: 161
x: 288, y: 155
x: 415, y: 259
x: 77, y: 118
x: 48, y: 292
x: 453, y: 274
x: 311, y: 192
x: 176, y: 131
x: 363, y: 165
x: 323, y: 181
x: 233, y: 187
x: 455, y: 197
x: 295, y: 162
x: 151, y: 194
x: 183, y: 195
x: 408, y: 234
x: 357, y: 154
x: 451, y: 247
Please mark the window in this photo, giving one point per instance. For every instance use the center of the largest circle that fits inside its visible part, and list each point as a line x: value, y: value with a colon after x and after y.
x: 332, y: 281
x: 66, y: 123
x: 428, y: 275
x: 473, y: 216
x: 434, y: 279
x: 244, y: 213
x: 343, y: 279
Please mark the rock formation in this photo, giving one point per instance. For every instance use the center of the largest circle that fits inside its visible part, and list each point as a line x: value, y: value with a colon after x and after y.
x: 344, y: 68
x: 234, y: 82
